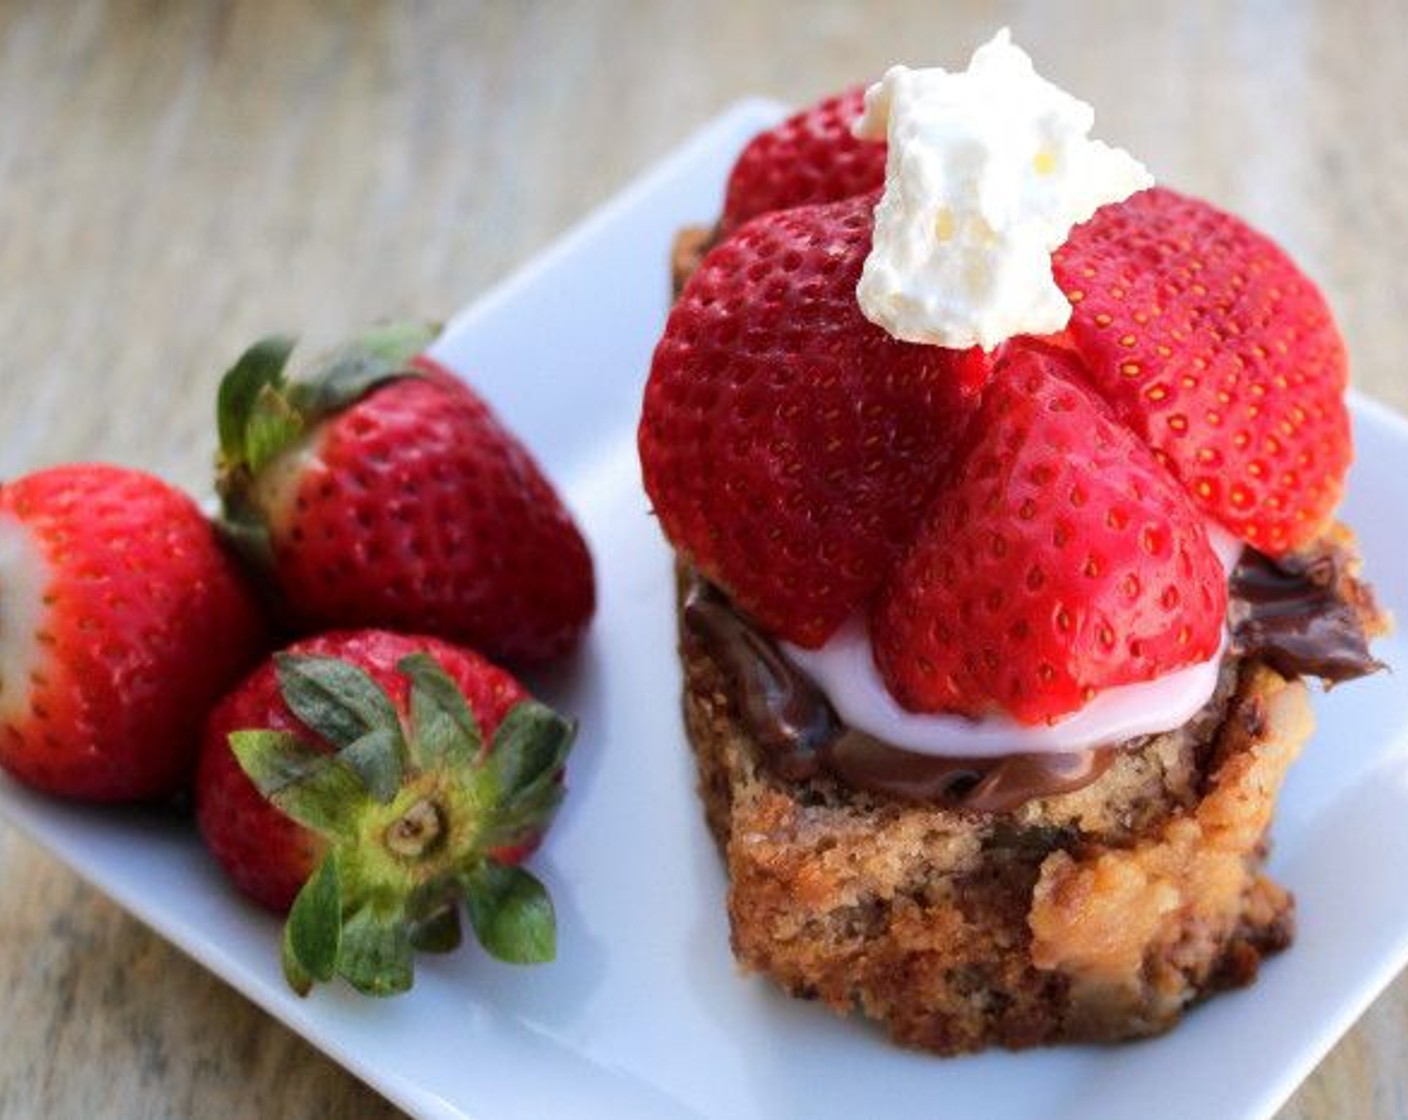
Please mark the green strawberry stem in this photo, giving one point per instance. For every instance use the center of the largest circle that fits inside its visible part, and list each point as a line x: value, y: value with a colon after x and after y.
x: 412, y: 814
x: 261, y: 412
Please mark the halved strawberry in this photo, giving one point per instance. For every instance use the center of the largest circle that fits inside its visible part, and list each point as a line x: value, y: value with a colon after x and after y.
x: 1216, y: 349
x: 810, y: 157
x: 793, y: 457
x: 1060, y: 559
x: 371, y: 783
x: 788, y: 444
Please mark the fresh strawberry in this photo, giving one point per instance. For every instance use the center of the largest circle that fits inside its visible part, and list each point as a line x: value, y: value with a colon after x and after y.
x: 371, y: 783
x: 1201, y: 370
x: 379, y: 490
x: 789, y: 445
x: 121, y: 623
x: 810, y: 157
x: 1221, y: 354
x: 1061, y: 559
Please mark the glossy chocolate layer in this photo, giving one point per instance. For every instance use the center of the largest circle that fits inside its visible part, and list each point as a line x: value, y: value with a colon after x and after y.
x: 1301, y: 616
x: 784, y: 712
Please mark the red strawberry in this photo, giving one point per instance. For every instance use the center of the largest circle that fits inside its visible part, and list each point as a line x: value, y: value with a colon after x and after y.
x: 1061, y: 559
x: 381, y: 491
x: 810, y: 157
x: 1221, y: 354
x: 373, y: 782
x: 789, y: 445
x: 121, y: 622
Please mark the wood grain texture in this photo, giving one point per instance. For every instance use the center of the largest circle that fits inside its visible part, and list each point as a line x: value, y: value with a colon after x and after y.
x: 177, y: 178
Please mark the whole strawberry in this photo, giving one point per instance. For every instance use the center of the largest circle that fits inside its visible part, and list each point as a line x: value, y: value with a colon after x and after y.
x: 789, y: 445
x: 1060, y: 559
x: 373, y: 783
x: 810, y: 157
x: 379, y: 490
x: 121, y: 623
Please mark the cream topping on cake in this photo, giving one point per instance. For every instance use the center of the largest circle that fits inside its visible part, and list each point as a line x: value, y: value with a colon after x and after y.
x: 988, y: 170
x: 844, y: 669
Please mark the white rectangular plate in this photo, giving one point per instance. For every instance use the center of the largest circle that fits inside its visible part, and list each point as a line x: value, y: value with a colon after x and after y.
x: 644, y: 1015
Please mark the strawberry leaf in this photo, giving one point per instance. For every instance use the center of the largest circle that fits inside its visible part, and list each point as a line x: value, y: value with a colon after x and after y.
x: 346, y: 707
x: 525, y: 816
x: 439, y: 932
x: 294, y: 972
x: 317, y: 790
x: 273, y: 424
x: 333, y: 697
x: 445, y: 733
x: 511, y: 913
x: 375, y: 955
x: 353, y: 370
x: 258, y: 368
x: 521, y: 780
x: 396, y: 343
x: 378, y: 757
x: 530, y: 745
x: 313, y: 932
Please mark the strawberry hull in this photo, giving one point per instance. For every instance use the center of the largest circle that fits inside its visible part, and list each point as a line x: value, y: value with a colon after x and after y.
x: 379, y: 787
x: 267, y: 854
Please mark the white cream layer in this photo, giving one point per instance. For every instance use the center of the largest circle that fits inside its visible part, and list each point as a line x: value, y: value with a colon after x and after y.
x: 844, y: 669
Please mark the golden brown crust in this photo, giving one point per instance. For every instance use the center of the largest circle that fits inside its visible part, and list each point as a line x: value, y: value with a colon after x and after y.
x: 1339, y: 538
x: 1094, y: 915
x: 688, y: 249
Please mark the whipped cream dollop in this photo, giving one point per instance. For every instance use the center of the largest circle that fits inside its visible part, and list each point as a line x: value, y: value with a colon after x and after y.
x: 844, y: 669
x: 987, y: 172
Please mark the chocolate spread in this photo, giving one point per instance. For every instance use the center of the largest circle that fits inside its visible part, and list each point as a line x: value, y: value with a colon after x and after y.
x: 1300, y: 616
x: 1303, y: 615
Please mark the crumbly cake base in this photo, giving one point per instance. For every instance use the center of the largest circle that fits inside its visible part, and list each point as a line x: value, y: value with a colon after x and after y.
x: 1096, y: 915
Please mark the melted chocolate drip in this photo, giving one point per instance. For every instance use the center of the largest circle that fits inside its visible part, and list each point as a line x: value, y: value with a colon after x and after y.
x: 1301, y: 615
x: 784, y: 711
x: 984, y: 785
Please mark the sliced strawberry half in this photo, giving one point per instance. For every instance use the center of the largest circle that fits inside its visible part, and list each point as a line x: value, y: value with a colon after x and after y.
x: 1061, y: 559
x: 789, y: 445
x: 1216, y: 349
x: 810, y: 157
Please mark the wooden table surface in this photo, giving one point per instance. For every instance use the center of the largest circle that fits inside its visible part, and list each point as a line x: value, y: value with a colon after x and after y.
x: 177, y: 178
